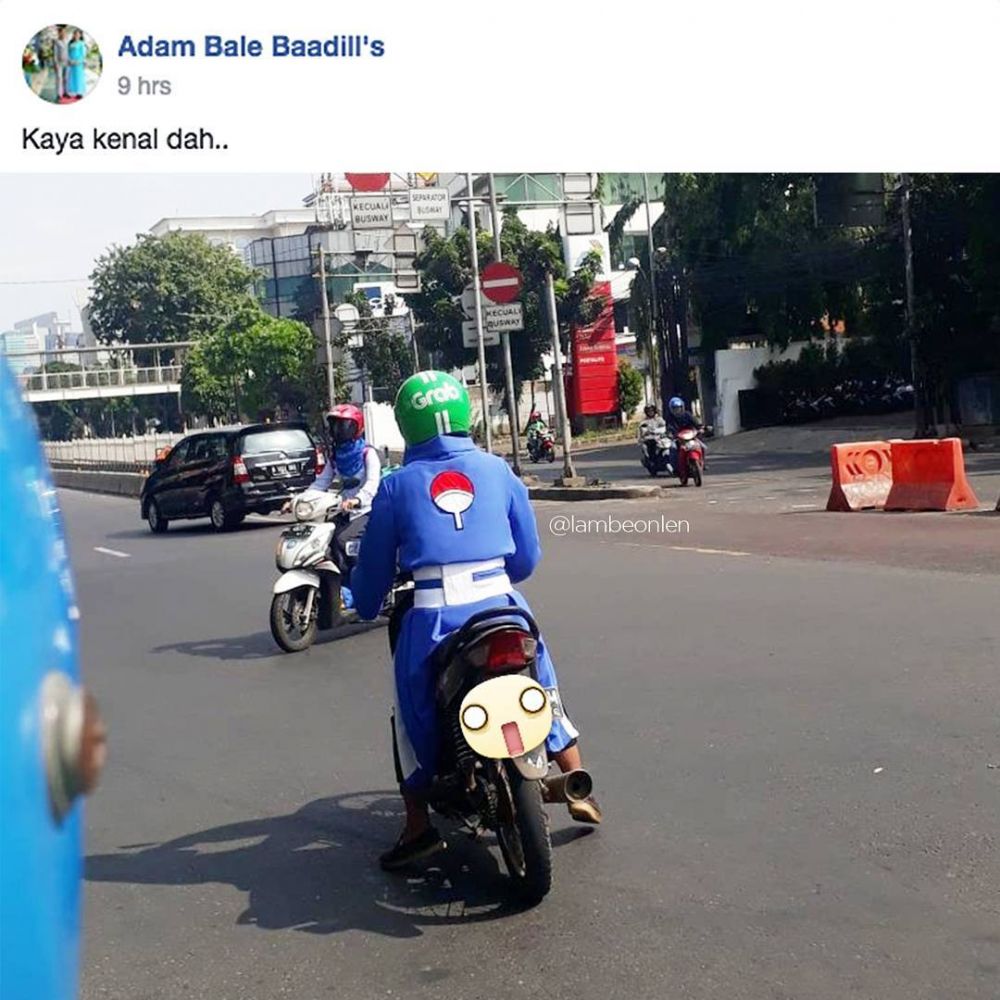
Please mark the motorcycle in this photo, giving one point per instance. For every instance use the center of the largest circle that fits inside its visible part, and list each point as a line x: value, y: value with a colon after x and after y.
x: 654, y: 445
x: 495, y: 717
x: 690, y: 457
x: 542, y: 446
x: 306, y: 597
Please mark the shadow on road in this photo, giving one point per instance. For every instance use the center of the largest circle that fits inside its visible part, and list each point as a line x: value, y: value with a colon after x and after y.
x: 258, y: 645
x: 316, y: 870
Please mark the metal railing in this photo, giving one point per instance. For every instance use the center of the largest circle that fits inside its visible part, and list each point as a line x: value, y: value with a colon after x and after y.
x: 124, y: 454
x: 99, y: 378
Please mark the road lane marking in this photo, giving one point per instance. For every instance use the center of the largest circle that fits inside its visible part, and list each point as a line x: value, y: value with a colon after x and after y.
x: 708, y: 552
x: 803, y: 506
x: 112, y: 552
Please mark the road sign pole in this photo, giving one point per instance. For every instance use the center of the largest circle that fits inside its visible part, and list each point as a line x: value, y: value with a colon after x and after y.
x: 326, y: 326
x: 557, y: 387
x: 479, y: 316
x: 508, y: 366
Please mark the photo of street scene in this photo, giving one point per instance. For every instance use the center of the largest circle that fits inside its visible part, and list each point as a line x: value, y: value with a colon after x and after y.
x: 498, y: 584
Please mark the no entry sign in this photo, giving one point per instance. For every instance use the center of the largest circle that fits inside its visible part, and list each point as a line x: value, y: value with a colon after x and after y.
x: 367, y: 182
x: 501, y: 282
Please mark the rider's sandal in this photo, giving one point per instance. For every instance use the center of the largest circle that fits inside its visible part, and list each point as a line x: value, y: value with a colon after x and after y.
x: 586, y: 811
x: 406, y: 852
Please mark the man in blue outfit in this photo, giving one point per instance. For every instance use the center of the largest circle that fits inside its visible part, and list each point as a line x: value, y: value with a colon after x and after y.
x: 460, y: 522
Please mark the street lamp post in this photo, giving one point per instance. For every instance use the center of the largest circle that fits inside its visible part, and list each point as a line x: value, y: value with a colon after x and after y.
x: 508, y: 366
x: 558, y: 387
x: 484, y: 388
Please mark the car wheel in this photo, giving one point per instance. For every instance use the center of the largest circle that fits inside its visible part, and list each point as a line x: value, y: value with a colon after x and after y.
x: 221, y: 519
x: 156, y: 521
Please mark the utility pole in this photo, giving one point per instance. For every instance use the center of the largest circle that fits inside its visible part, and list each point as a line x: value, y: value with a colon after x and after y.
x: 326, y: 325
x: 665, y: 343
x: 653, y: 304
x: 919, y: 404
x: 413, y: 339
x: 508, y: 365
x: 569, y: 473
x: 479, y: 317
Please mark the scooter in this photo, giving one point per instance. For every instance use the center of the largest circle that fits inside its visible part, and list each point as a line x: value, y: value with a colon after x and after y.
x: 542, y: 446
x: 307, y: 595
x: 654, y: 445
x: 494, y: 767
x: 690, y: 457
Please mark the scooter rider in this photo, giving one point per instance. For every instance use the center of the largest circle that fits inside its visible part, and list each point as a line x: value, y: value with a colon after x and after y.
x: 680, y: 419
x: 460, y: 521
x: 352, y: 459
x: 652, y: 426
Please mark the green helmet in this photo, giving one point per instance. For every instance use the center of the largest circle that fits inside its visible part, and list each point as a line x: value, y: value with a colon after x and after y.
x: 431, y: 403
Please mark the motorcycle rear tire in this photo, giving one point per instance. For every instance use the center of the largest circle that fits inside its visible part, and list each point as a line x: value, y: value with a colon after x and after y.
x: 280, y: 631
x: 525, y: 843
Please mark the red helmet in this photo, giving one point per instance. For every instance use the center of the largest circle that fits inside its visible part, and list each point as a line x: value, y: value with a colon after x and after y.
x: 346, y: 411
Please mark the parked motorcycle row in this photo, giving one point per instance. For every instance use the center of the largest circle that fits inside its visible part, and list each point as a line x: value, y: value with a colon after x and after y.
x: 852, y: 397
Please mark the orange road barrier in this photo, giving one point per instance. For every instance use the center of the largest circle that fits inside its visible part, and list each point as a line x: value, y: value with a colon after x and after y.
x: 929, y: 475
x: 862, y: 475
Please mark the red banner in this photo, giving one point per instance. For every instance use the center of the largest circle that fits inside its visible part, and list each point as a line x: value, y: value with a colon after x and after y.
x: 594, y: 382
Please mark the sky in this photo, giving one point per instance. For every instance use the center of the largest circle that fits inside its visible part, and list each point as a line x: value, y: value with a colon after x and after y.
x: 56, y: 226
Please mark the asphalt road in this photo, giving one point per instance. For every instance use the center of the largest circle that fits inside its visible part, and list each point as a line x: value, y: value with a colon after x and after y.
x: 796, y: 743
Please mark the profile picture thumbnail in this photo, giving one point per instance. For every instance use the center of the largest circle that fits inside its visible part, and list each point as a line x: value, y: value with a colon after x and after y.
x: 62, y: 64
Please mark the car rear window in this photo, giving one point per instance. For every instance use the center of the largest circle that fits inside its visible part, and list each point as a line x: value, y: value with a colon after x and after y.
x: 286, y: 439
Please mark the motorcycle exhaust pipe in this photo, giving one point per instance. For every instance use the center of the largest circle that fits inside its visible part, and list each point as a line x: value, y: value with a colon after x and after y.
x: 573, y: 786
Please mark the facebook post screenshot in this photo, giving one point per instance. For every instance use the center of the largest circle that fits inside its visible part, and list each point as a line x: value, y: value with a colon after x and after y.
x: 499, y: 500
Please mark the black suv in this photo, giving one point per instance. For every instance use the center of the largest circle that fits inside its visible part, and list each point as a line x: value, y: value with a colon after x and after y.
x: 229, y: 472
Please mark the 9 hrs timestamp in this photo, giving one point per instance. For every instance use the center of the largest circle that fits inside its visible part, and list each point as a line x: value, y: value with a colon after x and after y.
x: 141, y: 87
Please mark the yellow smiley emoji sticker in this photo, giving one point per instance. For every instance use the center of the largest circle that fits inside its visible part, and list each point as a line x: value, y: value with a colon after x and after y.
x: 506, y: 716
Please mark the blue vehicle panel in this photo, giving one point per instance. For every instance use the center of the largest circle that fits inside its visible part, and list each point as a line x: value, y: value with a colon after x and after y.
x: 40, y: 854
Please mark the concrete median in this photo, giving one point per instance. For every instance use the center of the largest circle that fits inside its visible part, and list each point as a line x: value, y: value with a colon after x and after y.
x: 125, y: 484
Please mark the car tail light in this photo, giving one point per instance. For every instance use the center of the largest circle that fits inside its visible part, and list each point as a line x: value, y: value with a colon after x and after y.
x: 320, y: 461
x: 503, y: 650
x: 240, y: 474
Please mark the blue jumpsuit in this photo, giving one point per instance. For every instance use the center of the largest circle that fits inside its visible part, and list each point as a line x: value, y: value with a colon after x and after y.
x: 487, y: 517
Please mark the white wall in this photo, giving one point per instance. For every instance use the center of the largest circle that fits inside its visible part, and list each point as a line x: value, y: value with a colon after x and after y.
x: 381, y: 429
x: 734, y: 370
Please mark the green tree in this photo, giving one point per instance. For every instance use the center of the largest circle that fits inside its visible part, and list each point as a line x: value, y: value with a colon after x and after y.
x: 753, y: 258
x: 630, y: 388
x: 258, y: 364
x: 384, y: 355
x: 956, y: 261
x: 445, y: 269
x: 171, y: 288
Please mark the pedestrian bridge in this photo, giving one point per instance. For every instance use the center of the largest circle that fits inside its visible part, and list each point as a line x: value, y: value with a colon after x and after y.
x: 100, y: 372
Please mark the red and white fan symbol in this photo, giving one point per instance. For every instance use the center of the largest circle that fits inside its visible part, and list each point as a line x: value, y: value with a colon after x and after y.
x: 453, y: 493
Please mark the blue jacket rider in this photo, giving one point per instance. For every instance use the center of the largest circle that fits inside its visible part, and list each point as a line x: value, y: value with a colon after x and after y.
x: 460, y: 521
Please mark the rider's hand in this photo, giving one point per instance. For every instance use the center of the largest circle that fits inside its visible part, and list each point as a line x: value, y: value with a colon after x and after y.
x: 351, y: 504
x: 286, y: 507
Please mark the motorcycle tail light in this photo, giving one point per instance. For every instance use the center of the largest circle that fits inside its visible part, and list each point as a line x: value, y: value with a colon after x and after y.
x: 503, y: 650
x: 320, y: 461
x: 240, y: 474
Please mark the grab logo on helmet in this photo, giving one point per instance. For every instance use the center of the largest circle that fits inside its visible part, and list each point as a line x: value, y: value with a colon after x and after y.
x: 439, y: 394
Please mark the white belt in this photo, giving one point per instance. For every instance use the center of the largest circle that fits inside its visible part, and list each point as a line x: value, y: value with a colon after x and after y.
x: 459, y: 583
